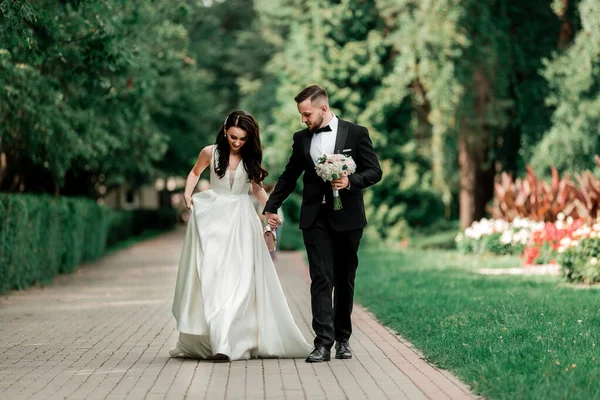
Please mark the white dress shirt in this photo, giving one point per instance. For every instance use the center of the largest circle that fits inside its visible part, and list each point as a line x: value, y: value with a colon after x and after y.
x: 324, y: 142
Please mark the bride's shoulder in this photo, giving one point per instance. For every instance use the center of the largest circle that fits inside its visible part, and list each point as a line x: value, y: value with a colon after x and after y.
x: 208, y: 151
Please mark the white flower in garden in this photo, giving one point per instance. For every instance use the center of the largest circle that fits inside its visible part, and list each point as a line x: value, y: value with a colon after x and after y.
x: 565, y: 242
x: 596, y: 227
x: 506, y: 238
x: 574, y: 243
x: 594, y: 234
x: 559, y: 224
x: 560, y: 217
x: 561, y: 250
x: 523, y: 236
x: 593, y: 261
x: 469, y: 233
x: 521, y: 223
x: 500, y: 225
x: 570, y: 220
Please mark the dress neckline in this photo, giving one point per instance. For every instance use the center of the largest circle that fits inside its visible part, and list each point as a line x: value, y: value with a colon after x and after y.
x: 232, y: 179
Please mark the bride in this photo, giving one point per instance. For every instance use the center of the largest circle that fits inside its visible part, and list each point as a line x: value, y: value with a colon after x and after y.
x: 228, y: 301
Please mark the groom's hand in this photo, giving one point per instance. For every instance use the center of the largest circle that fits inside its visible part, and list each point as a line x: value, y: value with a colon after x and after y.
x: 273, y: 220
x: 341, y: 183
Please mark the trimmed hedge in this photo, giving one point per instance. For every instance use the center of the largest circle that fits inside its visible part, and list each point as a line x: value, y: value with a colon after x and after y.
x: 42, y: 236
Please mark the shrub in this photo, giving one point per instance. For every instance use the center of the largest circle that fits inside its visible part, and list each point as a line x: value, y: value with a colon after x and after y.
x: 579, y: 262
x: 42, y: 236
x: 534, y: 199
x: 578, y: 254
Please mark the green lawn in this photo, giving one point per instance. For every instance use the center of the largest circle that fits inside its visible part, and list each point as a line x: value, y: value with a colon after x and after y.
x: 508, y: 337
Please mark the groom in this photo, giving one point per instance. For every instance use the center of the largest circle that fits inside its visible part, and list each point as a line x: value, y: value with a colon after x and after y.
x: 331, y: 237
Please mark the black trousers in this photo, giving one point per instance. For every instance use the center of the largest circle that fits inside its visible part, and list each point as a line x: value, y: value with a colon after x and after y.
x: 332, y: 259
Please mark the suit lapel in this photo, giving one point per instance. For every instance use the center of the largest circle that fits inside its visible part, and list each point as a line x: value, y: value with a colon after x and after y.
x: 342, y: 135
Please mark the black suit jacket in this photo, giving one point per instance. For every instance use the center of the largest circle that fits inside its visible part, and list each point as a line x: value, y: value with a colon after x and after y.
x: 351, y: 140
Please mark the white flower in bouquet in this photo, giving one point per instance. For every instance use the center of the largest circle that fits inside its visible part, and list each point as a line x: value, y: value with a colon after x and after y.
x: 334, y: 166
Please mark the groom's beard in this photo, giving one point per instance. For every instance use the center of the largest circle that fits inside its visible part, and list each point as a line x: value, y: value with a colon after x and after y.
x: 317, y: 125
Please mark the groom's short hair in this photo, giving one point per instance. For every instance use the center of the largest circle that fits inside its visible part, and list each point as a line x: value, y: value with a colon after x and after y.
x: 313, y: 92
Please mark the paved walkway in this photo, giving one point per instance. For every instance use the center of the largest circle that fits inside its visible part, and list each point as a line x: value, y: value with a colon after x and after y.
x: 105, y: 332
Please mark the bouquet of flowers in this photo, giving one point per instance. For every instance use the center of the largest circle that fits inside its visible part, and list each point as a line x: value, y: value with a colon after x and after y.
x: 334, y: 166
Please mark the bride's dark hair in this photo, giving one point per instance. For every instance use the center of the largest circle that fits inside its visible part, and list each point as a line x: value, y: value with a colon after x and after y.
x: 251, y: 151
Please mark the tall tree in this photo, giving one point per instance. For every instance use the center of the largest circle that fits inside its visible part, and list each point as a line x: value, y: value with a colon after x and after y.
x: 92, y: 92
x: 338, y: 45
x: 574, y: 76
x: 470, y: 72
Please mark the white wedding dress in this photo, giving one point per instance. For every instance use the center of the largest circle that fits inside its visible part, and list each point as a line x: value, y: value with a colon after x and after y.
x: 228, y: 298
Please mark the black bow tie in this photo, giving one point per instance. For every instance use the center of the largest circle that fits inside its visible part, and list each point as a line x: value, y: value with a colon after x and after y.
x: 326, y: 128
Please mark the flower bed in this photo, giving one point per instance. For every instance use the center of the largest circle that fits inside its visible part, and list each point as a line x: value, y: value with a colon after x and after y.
x: 497, y: 236
x: 572, y: 243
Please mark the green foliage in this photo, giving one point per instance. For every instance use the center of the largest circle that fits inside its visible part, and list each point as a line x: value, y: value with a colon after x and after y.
x: 42, y: 236
x: 420, y: 75
x: 341, y: 46
x: 94, y: 94
x: 290, y: 237
x: 535, y: 29
x: 574, y: 76
x: 91, y: 93
x: 580, y: 263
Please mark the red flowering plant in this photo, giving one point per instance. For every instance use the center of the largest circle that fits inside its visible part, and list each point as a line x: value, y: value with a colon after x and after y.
x: 544, y: 245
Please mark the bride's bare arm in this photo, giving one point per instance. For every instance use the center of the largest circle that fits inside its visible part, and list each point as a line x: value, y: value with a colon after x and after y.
x: 192, y: 179
x: 259, y: 194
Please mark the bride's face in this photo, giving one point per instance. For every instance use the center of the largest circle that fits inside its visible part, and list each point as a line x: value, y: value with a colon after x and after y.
x: 237, y: 138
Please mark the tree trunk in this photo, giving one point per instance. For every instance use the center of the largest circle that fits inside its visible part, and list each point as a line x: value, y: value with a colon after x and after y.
x: 468, y: 180
x: 3, y: 166
x: 476, y: 169
x: 476, y: 177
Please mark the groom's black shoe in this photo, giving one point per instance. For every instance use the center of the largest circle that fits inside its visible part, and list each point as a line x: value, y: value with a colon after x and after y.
x: 318, y: 354
x: 343, y: 351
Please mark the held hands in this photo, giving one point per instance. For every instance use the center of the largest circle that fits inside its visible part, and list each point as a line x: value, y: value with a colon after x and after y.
x: 273, y: 220
x: 341, y: 183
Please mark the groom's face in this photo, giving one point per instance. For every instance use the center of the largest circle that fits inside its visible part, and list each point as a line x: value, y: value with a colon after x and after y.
x: 312, y: 114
